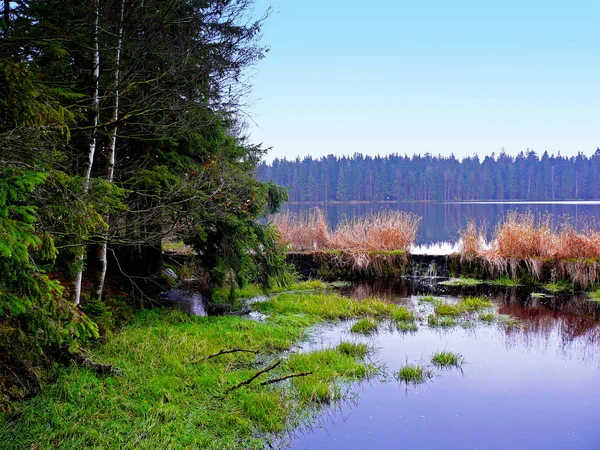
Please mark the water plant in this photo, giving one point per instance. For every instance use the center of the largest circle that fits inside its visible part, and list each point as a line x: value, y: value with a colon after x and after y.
x: 358, y: 350
x: 487, y: 317
x: 474, y: 303
x: 414, y: 374
x: 462, y: 282
x: 366, y: 325
x: 559, y: 286
x: 443, y: 321
x: 505, y: 281
x: 404, y: 326
x: 446, y: 358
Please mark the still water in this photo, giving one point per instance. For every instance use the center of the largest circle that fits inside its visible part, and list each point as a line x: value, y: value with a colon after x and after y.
x: 530, y: 383
x: 441, y: 221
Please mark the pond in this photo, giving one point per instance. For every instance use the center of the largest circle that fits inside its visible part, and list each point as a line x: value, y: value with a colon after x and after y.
x: 441, y: 221
x: 530, y: 380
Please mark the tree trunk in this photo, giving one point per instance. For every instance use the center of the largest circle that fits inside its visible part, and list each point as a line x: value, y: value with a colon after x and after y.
x: 110, y: 166
x: 6, y: 17
x: 76, y: 295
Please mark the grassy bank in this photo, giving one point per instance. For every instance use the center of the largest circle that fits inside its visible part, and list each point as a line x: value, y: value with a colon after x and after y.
x: 173, y: 394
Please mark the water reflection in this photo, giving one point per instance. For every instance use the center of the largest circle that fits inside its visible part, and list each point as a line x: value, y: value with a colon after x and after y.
x: 531, y: 383
x: 190, y: 302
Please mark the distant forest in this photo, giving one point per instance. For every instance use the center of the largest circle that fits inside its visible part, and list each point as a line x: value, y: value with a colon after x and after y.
x: 396, y: 178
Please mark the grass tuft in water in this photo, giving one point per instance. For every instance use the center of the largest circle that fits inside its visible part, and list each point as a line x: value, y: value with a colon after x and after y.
x: 560, y: 286
x: 353, y: 349
x: 447, y: 359
x: 428, y: 299
x: 365, y: 326
x: 487, y: 317
x: 462, y: 282
x: 475, y: 303
x: 443, y: 321
x: 414, y: 374
x: 505, y: 281
x: 406, y: 327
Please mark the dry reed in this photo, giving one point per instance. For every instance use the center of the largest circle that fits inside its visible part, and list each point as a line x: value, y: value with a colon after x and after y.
x: 383, y: 231
x: 534, y: 241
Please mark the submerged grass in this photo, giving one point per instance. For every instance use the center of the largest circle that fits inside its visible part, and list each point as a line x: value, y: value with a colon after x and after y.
x: 365, y: 326
x: 462, y: 282
x: 414, y: 374
x: 171, y: 396
x: 447, y: 359
x: 559, y: 286
x: 505, y: 281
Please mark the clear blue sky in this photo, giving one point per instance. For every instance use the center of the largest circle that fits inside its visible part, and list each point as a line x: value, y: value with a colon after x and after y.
x: 435, y: 76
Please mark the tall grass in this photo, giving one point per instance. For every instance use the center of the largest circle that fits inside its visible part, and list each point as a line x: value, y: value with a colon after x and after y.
x: 534, y: 240
x: 382, y: 231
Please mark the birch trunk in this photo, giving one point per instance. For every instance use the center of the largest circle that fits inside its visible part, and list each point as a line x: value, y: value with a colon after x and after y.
x: 92, y: 149
x: 112, y: 148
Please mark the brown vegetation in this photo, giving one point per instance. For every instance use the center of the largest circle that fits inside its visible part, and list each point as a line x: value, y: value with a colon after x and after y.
x: 383, y: 231
x: 535, y: 241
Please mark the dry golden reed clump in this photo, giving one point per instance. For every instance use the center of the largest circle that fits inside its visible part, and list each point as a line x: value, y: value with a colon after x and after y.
x: 383, y: 231
x: 523, y: 237
x: 304, y: 232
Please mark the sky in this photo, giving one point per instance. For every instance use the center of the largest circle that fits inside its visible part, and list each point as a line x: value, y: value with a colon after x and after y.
x: 436, y: 76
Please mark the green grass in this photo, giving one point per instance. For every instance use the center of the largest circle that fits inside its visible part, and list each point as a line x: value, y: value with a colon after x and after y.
x: 406, y: 327
x: 447, y: 359
x: 448, y: 309
x: 366, y: 325
x: 170, y: 396
x: 540, y: 295
x: 331, y: 306
x: 487, y: 317
x: 414, y: 374
x: 505, y: 281
x: 428, y: 299
x: 560, y: 286
x: 222, y: 295
x: 475, y: 303
x: 465, y: 305
x: 444, y: 321
x: 353, y: 349
x: 462, y: 282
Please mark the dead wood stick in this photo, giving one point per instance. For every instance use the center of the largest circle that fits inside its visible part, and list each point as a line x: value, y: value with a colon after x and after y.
x: 253, y: 377
x: 233, y: 350
x: 292, y: 375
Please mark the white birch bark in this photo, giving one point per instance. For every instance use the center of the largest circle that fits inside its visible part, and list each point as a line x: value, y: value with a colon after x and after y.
x: 112, y: 148
x: 92, y: 148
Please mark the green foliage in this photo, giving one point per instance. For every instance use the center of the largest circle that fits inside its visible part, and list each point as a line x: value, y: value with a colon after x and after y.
x: 27, y: 296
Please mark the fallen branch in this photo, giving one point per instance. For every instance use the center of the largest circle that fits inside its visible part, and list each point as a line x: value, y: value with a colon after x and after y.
x: 233, y: 350
x: 100, y: 369
x: 293, y: 375
x: 253, y: 377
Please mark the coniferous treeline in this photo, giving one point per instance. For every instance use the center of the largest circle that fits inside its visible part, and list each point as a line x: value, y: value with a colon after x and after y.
x: 365, y: 178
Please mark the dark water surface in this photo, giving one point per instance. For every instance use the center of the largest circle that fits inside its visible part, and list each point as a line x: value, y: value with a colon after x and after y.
x: 441, y: 221
x: 530, y: 384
